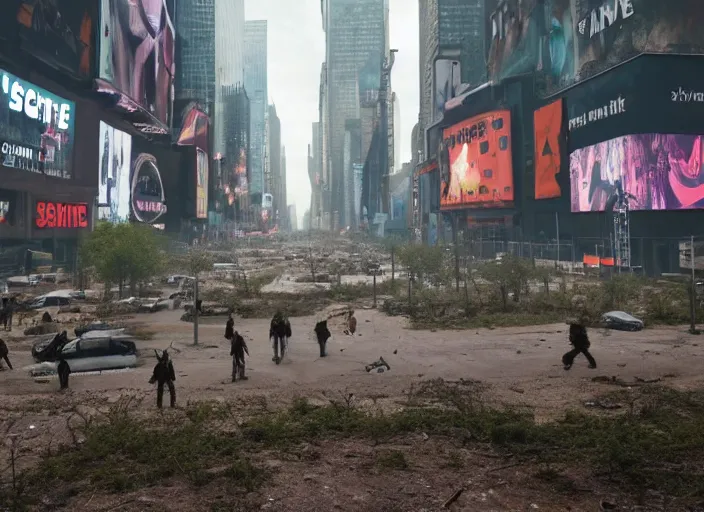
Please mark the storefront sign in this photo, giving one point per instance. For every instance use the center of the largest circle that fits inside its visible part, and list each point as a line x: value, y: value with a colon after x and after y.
x: 148, y: 200
x: 61, y: 215
x: 612, y: 108
x: 36, y: 128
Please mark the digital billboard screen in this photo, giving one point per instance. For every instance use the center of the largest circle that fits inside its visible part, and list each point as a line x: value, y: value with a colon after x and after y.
x: 59, y: 32
x: 567, y: 41
x: 148, y: 199
x: 656, y: 171
x: 201, y: 184
x: 475, y: 162
x: 115, y: 156
x: 137, y: 51
x: 36, y: 128
x: 549, y: 140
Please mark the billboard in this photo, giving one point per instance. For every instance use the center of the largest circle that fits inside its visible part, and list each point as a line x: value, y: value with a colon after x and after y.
x: 137, y: 53
x: 115, y: 155
x: 549, y: 140
x: 59, y: 32
x: 148, y: 199
x: 475, y: 162
x: 446, y: 83
x: 36, y: 128
x: 567, y: 41
x: 201, y: 184
x: 657, y: 172
x: 49, y: 214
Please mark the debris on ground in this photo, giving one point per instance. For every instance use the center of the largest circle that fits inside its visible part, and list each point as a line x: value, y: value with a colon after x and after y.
x: 609, y: 406
x: 380, y: 363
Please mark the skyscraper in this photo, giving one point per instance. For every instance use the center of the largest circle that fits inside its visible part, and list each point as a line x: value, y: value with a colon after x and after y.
x: 452, y: 51
x: 195, y: 49
x: 255, y: 82
x: 356, y: 33
x: 229, y: 64
x: 274, y: 125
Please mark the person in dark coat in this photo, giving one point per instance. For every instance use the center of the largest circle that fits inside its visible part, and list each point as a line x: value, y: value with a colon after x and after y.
x: 4, y: 353
x: 238, y: 348
x: 279, y: 332
x: 580, y: 341
x: 323, y: 334
x: 64, y: 370
x: 164, y: 374
x: 229, y: 328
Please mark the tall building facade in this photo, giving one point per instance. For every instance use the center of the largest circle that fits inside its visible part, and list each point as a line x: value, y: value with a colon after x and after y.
x: 195, y: 51
x: 255, y: 82
x: 356, y: 33
x: 229, y: 63
x: 274, y: 135
x: 232, y: 178
x: 282, y: 192
x: 452, y: 51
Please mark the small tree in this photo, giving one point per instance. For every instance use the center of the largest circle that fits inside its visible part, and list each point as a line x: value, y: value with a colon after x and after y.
x: 313, y: 263
x: 122, y: 254
x: 425, y: 262
x: 510, y: 275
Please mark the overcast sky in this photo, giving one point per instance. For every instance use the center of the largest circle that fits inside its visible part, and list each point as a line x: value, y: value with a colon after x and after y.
x: 296, y: 51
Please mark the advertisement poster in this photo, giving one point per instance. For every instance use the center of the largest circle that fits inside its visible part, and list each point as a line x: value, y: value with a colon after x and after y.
x: 36, y: 128
x: 4, y: 212
x: 549, y: 139
x: 447, y: 81
x: 475, y: 162
x: 147, y: 193
x: 201, y: 184
x: 115, y: 155
x: 567, y: 41
x: 657, y: 172
x: 59, y: 32
x: 137, y: 53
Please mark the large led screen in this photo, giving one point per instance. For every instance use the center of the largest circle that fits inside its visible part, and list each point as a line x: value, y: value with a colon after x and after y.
x: 60, y: 32
x: 36, y: 128
x: 567, y: 41
x: 115, y: 156
x: 148, y: 199
x: 475, y: 162
x: 137, y: 52
x: 657, y: 172
x: 548, y: 137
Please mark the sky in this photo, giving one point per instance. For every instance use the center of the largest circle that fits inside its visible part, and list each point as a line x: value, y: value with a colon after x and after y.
x: 296, y: 44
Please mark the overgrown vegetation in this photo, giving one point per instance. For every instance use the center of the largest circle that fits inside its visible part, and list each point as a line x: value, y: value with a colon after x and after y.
x: 657, y: 442
x: 512, y: 292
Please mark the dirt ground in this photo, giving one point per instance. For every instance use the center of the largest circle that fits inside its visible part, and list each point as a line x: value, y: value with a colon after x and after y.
x: 520, y: 365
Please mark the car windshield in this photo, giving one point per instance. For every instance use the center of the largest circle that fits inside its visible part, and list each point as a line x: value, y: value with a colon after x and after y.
x: 70, y: 347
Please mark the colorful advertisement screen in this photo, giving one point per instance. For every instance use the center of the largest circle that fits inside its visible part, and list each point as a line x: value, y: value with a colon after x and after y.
x: 36, y: 128
x: 201, y: 184
x: 567, y: 41
x: 59, y: 32
x: 475, y: 162
x: 137, y: 53
x: 549, y: 139
x: 656, y: 172
x: 115, y: 156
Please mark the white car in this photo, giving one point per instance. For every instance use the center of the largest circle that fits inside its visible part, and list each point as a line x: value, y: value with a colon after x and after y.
x: 93, y: 353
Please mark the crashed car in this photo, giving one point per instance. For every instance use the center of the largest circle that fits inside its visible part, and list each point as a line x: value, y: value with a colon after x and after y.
x: 93, y: 353
x: 621, y: 321
x: 95, y: 326
x: 48, y: 349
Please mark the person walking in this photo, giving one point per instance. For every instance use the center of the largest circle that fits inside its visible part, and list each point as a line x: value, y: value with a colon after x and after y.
x: 4, y: 353
x: 323, y: 334
x: 64, y: 370
x: 229, y: 328
x: 579, y: 339
x: 238, y: 348
x: 164, y: 374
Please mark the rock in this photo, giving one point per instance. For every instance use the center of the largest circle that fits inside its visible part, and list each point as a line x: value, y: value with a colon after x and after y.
x: 273, y: 464
x: 309, y: 477
x: 395, y: 352
x: 518, y: 352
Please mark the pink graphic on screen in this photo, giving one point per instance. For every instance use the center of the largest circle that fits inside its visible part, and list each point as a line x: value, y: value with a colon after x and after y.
x: 658, y: 172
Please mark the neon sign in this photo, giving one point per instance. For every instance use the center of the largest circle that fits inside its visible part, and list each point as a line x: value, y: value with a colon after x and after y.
x: 61, y: 215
